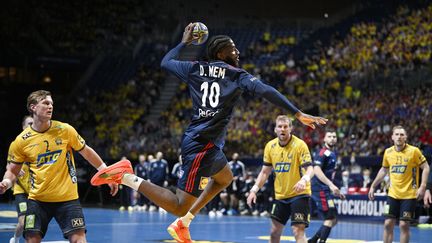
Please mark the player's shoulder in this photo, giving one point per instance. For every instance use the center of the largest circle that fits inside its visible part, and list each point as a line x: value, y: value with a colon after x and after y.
x: 272, y: 144
x: 24, y: 135
x: 60, y: 126
x: 411, y: 147
x: 324, y: 152
x: 389, y: 150
x: 296, y: 141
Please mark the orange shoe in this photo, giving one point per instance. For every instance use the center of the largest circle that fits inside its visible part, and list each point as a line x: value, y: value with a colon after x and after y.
x: 179, y: 232
x: 112, y: 173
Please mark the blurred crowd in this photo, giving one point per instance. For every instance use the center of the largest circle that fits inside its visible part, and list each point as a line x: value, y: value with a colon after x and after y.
x: 326, y: 82
x: 83, y: 28
x: 335, y: 80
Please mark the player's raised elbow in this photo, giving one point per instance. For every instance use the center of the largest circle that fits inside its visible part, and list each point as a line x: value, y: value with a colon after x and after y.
x: 164, y: 63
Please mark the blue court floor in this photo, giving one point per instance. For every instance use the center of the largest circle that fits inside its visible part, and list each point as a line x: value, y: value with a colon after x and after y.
x: 109, y: 225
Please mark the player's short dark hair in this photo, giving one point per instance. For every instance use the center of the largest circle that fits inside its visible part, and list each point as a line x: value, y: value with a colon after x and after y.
x: 330, y: 130
x: 215, y: 44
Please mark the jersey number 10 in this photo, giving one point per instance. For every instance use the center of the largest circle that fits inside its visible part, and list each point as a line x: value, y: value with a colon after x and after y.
x: 213, y: 97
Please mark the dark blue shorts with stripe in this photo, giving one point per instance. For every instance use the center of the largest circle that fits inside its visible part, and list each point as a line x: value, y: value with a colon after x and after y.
x: 201, y: 160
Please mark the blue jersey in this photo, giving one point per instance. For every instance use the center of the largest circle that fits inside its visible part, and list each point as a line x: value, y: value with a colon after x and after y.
x: 326, y: 160
x: 215, y: 87
x: 237, y: 168
x: 142, y: 170
x: 177, y: 171
x: 158, y: 171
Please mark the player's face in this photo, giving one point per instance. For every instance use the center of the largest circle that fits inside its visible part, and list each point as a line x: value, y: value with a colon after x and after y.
x: 27, y: 122
x: 330, y: 139
x: 230, y: 54
x: 283, y: 130
x: 44, y: 108
x: 399, y: 137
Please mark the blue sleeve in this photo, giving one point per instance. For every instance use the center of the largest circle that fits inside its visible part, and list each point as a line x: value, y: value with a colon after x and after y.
x: 257, y: 88
x: 178, y: 68
x: 319, y: 160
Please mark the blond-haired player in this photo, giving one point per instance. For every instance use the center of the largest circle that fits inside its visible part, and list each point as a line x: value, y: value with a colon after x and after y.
x: 403, y: 162
x: 47, y: 146
x: 291, y: 161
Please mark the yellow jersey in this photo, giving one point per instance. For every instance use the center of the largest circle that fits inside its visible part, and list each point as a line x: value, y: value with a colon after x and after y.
x: 289, y: 163
x: 404, y: 171
x: 49, y: 154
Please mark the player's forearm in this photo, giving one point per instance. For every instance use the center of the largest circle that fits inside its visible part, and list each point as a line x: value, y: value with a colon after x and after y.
x: 309, y: 173
x: 9, y: 179
x: 321, y: 176
x: 92, y: 157
x: 275, y: 97
x: 173, y: 53
x: 425, y: 174
x: 262, y: 178
x: 10, y: 175
x: 380, y: 176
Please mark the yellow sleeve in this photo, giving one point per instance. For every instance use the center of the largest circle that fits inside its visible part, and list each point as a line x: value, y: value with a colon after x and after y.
x: 76, y: 141
x: 419, y: 158
x: 15, y: 154
x: 385, y: 163
x: 306, y: 157
x: 267, y: 157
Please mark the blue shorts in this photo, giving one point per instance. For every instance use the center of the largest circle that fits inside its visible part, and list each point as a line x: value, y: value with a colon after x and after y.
x: 402, y: 209
x: 200, y: 162
x: 325, y: 204
x: 69, y: 216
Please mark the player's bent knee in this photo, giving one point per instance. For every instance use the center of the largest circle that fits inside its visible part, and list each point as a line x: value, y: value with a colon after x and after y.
x: 33, y: 237
x: 78, y: 236
x: 404, y: 225
x: 298, y: 230
x: 334, y: 222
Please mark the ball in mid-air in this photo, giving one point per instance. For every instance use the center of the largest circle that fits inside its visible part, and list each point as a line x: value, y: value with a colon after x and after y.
x: 200, y: 32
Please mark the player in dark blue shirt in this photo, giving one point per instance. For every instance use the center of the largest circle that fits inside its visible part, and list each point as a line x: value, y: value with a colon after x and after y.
x: 142, y: 170
x: 322, y: 186
x: 215, y: 87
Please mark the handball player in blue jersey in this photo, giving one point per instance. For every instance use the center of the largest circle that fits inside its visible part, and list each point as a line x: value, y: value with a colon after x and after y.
x: 323, y: 187
x: 215, y: 87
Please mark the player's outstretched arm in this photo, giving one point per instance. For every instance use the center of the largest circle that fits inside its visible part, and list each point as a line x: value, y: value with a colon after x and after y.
x: 94, y: 159
x: 309, y: 120
x: 275, y: 97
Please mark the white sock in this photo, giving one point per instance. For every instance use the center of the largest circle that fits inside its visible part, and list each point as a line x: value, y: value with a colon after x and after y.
x: 132, y: 181
x: 187, y: 219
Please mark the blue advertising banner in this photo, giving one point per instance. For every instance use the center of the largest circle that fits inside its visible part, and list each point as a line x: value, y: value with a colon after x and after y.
x: 360, y: 207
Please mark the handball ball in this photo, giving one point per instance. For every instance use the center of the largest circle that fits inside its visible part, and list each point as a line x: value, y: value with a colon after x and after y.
x: 200, y: 31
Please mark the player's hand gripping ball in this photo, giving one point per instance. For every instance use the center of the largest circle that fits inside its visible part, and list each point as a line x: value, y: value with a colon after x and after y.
x: 200, y: 33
